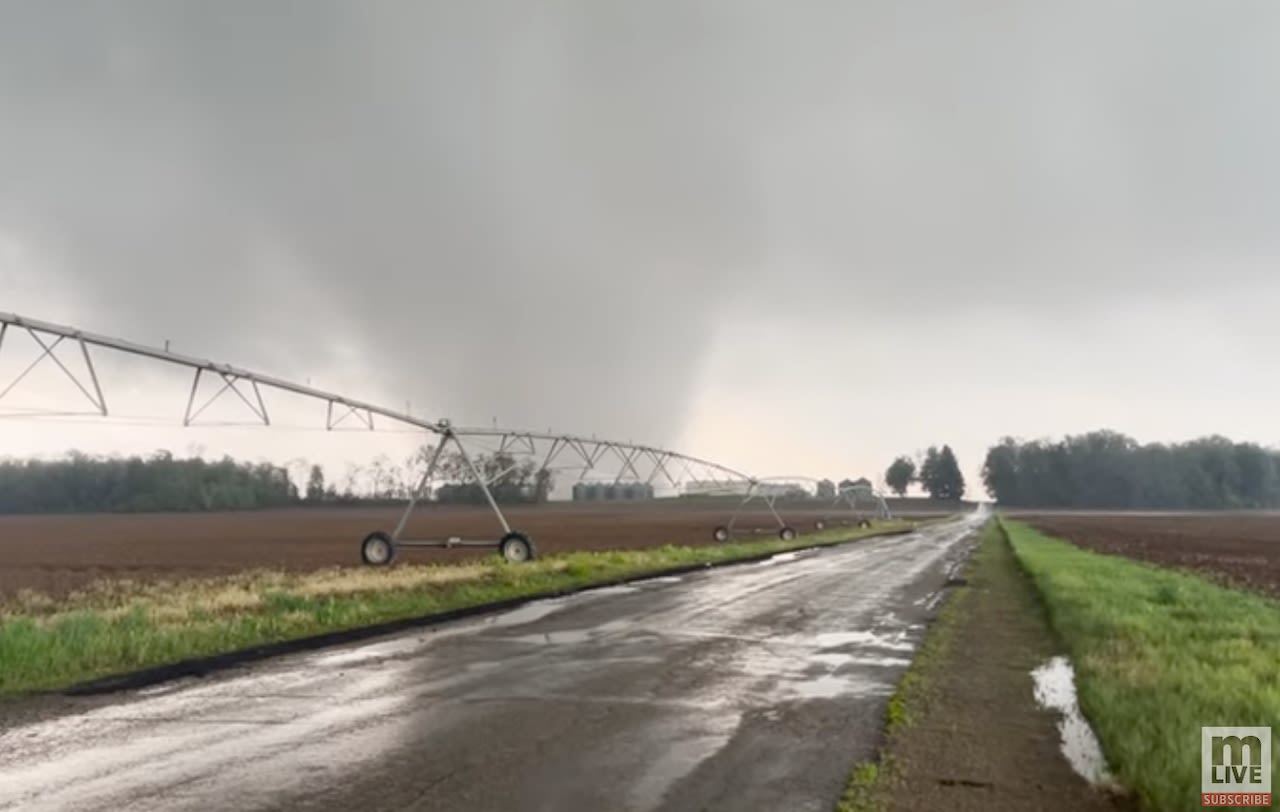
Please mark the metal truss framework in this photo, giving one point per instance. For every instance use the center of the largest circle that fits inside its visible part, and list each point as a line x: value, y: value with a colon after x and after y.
x: 646, y: 464
x: 635, y: 462
x: 759, y: 489
x: 849, y: 497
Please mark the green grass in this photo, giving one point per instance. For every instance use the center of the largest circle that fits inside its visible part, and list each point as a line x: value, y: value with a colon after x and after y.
x: 119, y: 626
x: 1157, y: 654
x: 863, y: 792
x: 913, y: 689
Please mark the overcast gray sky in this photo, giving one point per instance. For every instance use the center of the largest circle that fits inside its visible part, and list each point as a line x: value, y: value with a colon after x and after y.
x: 794, y: 237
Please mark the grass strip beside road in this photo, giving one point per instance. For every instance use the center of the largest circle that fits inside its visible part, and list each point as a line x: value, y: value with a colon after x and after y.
x: 871, y: 781
x: 1158, y: 654
x: 119, y: 626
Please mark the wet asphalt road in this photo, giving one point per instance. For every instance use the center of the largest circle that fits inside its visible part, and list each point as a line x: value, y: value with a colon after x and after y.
x: 753, y: 687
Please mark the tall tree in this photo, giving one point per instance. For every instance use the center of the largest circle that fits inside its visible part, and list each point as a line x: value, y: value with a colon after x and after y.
x: 1000, y: 469
x: 900, y: 474
x: 315, y: 484
x: 928, y: 467
x: 544, y: 483
x: 951, y: 480
x: 940, y: 474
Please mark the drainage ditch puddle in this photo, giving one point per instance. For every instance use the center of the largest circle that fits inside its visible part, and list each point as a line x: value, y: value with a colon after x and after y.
x: 1055, y: 689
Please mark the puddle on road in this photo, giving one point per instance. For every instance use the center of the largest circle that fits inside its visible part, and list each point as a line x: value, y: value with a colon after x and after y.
x: 164, y: 688
x: 833, y: 686
x: 606, y: 591
x: 883, y: 662
x: 827, y: 686
x: 368, y: 652
x: 829, y: 675
x: 563, y: 638
x: 527, y: 613
x: 896, y: 642
x: 832, y: 660
x: 537, y: 610
x: 141, y: 750
x: 835, y: 660
x: 813, y: 667
x: 1055, y: 689
x: 778, y: 559
x: 930, y: 602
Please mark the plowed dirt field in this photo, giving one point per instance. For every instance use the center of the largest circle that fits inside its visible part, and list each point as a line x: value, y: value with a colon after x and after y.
x: 57, y: 554
x: 1242, y: 550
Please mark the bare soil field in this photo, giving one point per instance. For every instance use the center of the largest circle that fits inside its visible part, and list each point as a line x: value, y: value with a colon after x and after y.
x: 58, y: 554
x: 1242, y: 550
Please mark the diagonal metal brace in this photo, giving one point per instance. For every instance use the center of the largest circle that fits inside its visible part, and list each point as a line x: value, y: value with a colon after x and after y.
x: 627, y: 459
x: 96, y: 397
x: 363, y: 415
x: 229, y: 383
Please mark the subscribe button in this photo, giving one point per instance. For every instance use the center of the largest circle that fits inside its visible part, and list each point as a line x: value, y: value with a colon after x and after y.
x: 1235, y: 799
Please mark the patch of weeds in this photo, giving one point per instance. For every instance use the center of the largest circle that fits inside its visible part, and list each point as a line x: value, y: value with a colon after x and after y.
x: 861, y: 794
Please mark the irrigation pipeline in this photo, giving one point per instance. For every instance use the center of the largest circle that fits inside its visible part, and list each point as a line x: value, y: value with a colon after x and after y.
x: 587, y: 455
x: 343, y: 412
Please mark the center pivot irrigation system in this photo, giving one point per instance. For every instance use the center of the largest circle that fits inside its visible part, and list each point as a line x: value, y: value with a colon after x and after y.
x: 771, y: 490
x: 635, y: 463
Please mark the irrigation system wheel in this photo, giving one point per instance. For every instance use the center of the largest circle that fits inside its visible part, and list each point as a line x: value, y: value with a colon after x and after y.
x: 378, y: 549
x: 787, y: 533
x: 721, y: 533
x: 516, y: 547
x: 819, y: 525
x: 864, y: 522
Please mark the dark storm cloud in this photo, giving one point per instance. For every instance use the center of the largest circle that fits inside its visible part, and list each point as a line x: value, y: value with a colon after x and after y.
x: 541, y: 211
x: 520, y: 217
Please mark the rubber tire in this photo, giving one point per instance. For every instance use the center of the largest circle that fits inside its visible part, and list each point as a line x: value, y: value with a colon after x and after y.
x: 511, y: 545
x: 864, y: 523
x: 787, y: 534
x: 819, y: 525
x: 379, y: 537
x: 721, y: 533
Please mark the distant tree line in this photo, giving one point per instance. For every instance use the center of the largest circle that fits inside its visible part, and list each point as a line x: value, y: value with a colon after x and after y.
x: 1101, y: 469
x: 1105, y: 469
x: 81, y: 483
